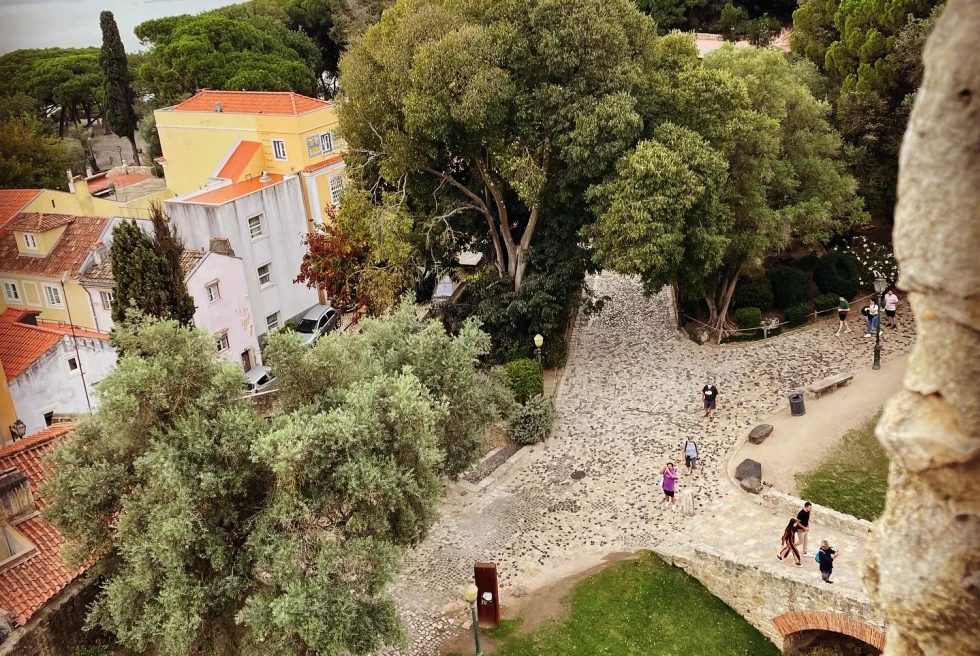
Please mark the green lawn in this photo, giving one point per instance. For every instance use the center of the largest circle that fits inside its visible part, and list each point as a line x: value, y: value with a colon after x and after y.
x: 639, y: 607
x: 854, y: 478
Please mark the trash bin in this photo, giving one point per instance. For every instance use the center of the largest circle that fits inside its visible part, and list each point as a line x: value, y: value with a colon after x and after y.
x: 796, y: 405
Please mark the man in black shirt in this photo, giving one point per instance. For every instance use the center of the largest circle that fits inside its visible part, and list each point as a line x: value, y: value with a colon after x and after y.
x: 826, y: 557
x: 710, y: 395
x: 804, y: 517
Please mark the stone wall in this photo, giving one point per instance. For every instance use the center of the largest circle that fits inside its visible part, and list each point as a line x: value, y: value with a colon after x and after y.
x: 789, y: 505
x: 56, y: 629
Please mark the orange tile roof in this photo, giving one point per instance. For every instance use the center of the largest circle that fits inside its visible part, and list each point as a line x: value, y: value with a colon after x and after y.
x: 38, y: 221
x: 81, y: 234
x: 230, y: 192
x: 13, y: 201
x: 100, y: 181
x: 28, y: 585
x: 239, y: 160
x: 332, y: 159
x: 284, y: 103
x: 22, y: 344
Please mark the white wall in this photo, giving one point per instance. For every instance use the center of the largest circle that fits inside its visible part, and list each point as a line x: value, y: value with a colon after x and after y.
x: 103, y: 317
x: 284, y: 226
x: 232, y: 311
x: 47, y: 386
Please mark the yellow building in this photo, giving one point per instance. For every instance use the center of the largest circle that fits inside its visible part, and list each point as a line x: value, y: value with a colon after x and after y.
x: 238, y: 135
x: 42, y: 258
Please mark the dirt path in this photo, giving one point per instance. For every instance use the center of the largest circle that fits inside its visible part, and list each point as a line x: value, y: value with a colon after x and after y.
x: 800, y: 443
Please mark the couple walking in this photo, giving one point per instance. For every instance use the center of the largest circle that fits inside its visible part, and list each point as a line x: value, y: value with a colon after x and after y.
x: 796, y: 532
x: 871, y: 313
x: 669, y: 473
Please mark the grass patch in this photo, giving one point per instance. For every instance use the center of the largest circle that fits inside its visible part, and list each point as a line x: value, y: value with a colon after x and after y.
x: 506, y: 629
x: 641, y: 607
x: 854, y: 478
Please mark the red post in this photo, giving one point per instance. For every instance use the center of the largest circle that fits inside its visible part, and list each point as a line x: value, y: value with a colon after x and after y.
x: 488, y: 602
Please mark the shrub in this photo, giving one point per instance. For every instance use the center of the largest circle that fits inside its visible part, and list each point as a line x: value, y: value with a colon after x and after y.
x: 748, y: 318
x: 91, y: 651
x: 753, y: 293
x: 837, y: 273
x: 825, y: 302
x: 798, y: 314
x: 532, y: 421
x: 554, y: 353
x: 807, y: 262
x: 789, y: 286
x: 524, y: 378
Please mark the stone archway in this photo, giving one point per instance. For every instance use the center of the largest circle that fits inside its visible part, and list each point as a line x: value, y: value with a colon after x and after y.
x: 799, y: 628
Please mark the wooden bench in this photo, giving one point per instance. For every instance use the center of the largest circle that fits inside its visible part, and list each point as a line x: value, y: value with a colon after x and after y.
x: 821, y: 387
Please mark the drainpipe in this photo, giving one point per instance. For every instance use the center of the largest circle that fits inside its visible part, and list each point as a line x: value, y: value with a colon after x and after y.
x: 74, y: 340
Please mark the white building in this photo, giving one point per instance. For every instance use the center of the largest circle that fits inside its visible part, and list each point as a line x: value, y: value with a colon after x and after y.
x: 264, y: 220
x: 51, y: 368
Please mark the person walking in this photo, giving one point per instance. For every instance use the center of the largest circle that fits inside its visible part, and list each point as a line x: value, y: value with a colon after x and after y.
x: 891, y: 308
x: 825, y: 558
x: 709, y: 393
x: 872, y: 317
x: 843, y: 309
x: 669, y: 485
x: 789, y: 541
x: 804, y: 517
x: 690, y: 456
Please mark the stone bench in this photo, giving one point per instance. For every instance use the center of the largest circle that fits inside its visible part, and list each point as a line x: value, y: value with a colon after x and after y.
x: 829, y: 384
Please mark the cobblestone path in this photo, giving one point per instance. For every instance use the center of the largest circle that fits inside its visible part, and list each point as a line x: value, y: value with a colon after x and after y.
x: 629, y: 399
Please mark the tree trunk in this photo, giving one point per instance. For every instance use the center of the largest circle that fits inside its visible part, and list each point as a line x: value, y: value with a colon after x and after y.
x: 136, y: 154
x: 61, y: 123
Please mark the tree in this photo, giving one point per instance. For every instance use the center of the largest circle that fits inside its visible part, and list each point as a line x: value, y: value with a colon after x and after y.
x: 814, y: 30
x: 147, y: 274
x: 115, y: 74
x: 32, y: 158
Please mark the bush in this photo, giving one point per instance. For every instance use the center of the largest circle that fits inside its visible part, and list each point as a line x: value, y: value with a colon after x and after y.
x: 837, y: 273
x: 825, y: 302
x: 554, y: 353
x: 748, y: 318
x: 789, y: 286
x: 524, y: 378
x: 807, y: 262
x: 798, y: 314
x: 753, y: 293
x: 92, y: 651
x: 532, y: 421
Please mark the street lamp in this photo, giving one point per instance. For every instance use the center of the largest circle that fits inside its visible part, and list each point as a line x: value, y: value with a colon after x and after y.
x: 880, y: 286
x: 470, y: 593
x: 538, y: 343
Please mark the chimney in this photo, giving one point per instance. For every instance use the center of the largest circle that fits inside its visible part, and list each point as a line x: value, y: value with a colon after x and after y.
x: 221, y: 246
x: 264, y: 177
x: 71, y: 182
x: 88, y: 172
x: 218, y: 108
x: 99, y: 253
x: 16, y: 499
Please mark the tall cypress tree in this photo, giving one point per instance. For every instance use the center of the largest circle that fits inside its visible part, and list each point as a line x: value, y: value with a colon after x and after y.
x: 169, y: 246
x: 115, y: 78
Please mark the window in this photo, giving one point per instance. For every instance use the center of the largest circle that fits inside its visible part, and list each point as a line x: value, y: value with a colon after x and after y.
x: 13, y: 544
x: 279, y: 148
x: 223, y: 342
x: 336, y: 188
x: 272, y: 321
x: 214, y: 294
x: 30, y: 241
x: 265, y: 275
x: 106, y: 300
x: 11, y: 292
x: 255, y: 227
x: 71, y: 365
x: 326, y: 142
x: 53, y: 296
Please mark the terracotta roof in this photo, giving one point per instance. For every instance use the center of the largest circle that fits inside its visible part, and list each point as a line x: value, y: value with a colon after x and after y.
x: 13, y: 201
x: 102, y: 274
x: 230, y: 192
x: 239, y: 160
x: 81, y: 234
x: 22, y: 344
x: 329, y: 161
x: 100, y: 181
x: 38, y: 221
x: 283, y: 103
x: 28, y: 585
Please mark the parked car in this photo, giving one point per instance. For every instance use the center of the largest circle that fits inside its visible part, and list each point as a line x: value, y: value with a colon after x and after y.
x: 260, y: 379
x: 318, y: 321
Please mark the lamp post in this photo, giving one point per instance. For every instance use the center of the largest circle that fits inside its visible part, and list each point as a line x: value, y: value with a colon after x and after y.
x: 880, y: 286
x: 538, y: 343
x: 470, y: 593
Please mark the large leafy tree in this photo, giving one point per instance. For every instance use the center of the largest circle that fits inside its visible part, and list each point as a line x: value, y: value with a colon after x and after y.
x: 31, y: 157
x: 116, y: 87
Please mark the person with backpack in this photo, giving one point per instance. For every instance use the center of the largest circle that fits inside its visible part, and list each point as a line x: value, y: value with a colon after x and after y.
x: 872, y: 317
x: 825, y: 558
x: 690, y: 456
x: 789, y: 541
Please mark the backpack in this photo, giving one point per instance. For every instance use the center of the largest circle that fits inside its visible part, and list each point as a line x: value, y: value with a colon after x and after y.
x: 866, y: 311
x: 816, y: 556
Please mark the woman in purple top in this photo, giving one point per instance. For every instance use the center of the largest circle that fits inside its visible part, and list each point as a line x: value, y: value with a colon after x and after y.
x: 670, y: 478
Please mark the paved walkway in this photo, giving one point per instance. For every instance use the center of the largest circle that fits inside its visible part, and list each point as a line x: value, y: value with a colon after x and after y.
x: 629, y: 398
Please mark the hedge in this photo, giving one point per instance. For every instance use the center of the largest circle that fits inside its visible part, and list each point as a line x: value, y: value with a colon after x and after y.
x: 798, y: 314
x: 747, y: 318
x: 753, y: 292
x: 825, y: 302
x: 807, y: 262
x: 790, y: 286
x: 532, y: 421
x: 837, y: 273
x: 554, y: 353
x: 524, y: 378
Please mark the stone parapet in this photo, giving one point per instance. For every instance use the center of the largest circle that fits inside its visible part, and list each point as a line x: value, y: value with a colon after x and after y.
x: 789, y: 505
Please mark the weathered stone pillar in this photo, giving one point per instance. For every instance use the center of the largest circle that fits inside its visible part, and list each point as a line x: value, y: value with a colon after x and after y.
x: 923, y: 565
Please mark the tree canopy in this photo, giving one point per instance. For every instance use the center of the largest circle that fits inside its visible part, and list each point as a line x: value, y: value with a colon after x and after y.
x: 117, y: 91
x: 30, y: 156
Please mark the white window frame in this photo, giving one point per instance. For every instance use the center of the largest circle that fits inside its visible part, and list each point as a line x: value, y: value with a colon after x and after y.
x: 78, y: 366
x: 274, y: 324
x: 223, y: 339
x: 60, y: 305
x: 261, y: 224
x: 335, y: 194
x: 272, y: 276
x: 326, y: 143
x: 18, y: 297
x: 217, y: 292
x: 30, y: 241
x: 279, y: 146
x: 106, y: 298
